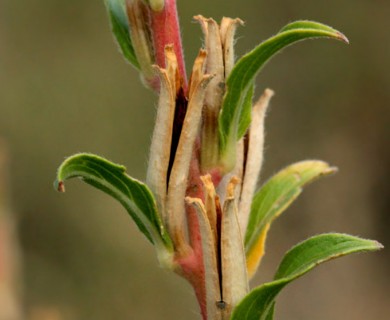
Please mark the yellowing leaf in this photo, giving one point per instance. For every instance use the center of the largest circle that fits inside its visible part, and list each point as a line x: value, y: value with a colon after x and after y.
x: 275, y: 197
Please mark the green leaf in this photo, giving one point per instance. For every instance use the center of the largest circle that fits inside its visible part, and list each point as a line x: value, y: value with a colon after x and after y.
x: 111, y: 178
x: 318, y: 249
x: 246, y: 113
x: 272, y: 199
x: 306, y: 24
x: 120, y: 27
x: 302, y: 258
x: 270, y: 312
x: 231, y: 120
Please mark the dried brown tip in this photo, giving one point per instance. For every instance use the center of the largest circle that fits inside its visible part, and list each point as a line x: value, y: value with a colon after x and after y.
x: 61, y: 186
x: 343, y: 37
x: 231, y: 187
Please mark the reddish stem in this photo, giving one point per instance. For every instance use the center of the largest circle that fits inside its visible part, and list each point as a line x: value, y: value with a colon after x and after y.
x: 166, y: 30
x: 192, y: 267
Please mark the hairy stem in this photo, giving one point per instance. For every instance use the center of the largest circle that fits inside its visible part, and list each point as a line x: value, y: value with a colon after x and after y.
x: 166, y: 30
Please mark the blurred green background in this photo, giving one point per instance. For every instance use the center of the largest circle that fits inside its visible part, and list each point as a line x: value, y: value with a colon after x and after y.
x: 64, y: 88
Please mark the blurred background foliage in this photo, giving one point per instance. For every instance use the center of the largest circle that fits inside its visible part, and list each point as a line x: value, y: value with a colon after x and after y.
x: 64, y: 88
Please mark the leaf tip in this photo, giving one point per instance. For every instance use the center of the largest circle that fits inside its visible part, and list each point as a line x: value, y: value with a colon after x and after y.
x: 59, y: 186
x: 342, y: 37
x: 269, y: 93
x: 379, y: 246
x: 331, y: 170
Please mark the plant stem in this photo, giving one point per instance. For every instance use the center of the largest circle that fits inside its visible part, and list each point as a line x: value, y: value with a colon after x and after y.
x: 166, y: 30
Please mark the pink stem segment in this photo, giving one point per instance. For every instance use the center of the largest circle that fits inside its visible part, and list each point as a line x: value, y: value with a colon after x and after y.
x: 166, y: 30
x: 192, y: 266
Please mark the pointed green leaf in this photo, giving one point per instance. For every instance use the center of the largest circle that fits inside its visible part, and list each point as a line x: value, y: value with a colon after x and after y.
x: 120, y: 27
x: 273, y: 198
x: 302, y: 258
x: 244, y: 72
x: 306, y: 24
x: 318, y: 249
x: 131, y: 193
